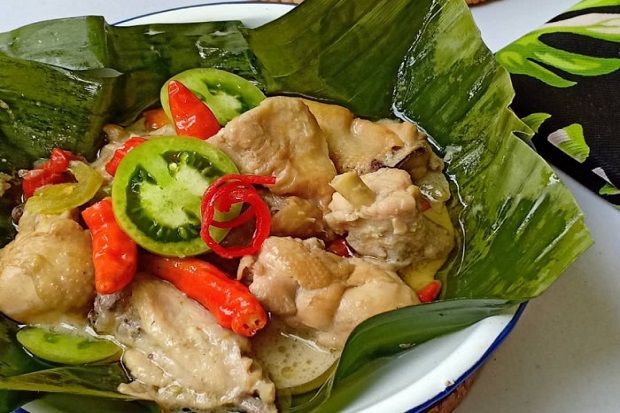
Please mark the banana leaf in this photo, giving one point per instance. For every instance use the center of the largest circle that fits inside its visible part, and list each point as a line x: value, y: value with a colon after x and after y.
x: 24, y: 378
x: 80, y: 404
x: 421, y: 60
x: 62, y: 80
x: 27, y: 120
x: 13, y: 361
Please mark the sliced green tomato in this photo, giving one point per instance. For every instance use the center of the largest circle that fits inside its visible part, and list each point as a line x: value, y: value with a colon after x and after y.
x: 226, y: 94
x: 157, y: 191
x: 65, y: 348
x: 55, y: 199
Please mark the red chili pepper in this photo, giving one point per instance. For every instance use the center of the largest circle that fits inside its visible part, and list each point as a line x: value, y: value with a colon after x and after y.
x: 115, y: 255
x: 430, y: 292
x: 155, y: 119
x: 120, y: 153
x: 38, y: 178
x: 190, y: 115
x: 52, y: 171
x: 340, y: 247
x: 425, y: 205
x: 222, y: 195
x: 59, y: 161
x: 232, y: 304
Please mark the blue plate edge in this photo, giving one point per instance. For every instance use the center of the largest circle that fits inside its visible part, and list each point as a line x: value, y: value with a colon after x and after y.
x: 496, y: 343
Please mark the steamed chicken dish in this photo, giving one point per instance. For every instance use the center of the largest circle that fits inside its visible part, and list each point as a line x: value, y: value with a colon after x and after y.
x: 230, y: 246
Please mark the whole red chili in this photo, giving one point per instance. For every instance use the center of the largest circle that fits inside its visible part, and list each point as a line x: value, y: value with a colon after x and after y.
x: 232, y: 304
x: 115, y: 255
x: 155, y: 119
x: 430, y: 292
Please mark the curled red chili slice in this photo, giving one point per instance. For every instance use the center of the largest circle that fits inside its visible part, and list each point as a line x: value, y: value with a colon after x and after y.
x: 231, y: 190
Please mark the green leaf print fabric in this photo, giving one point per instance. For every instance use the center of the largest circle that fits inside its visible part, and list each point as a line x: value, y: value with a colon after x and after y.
x: 567, y: 78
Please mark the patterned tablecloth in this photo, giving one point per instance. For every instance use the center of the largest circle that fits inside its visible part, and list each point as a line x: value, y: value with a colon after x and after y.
x: 567, y: 80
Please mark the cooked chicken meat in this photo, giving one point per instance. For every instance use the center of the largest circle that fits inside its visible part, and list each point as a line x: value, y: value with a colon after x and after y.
x: 303, y: 143
x: 391, y: 228
x: 280, y: 137
x: 177, y: 353
x: 320, y: 292
x: 295, y: 217
x: 363, y: 146
x: 46, y: 273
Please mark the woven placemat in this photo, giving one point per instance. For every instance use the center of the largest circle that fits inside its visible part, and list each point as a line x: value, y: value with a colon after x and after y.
x: 452, y: 401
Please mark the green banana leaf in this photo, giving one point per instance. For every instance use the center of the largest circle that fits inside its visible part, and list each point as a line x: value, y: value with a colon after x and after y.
x: 82, y: 73
x: 95, y: 380
x: 356, y: 370
x: 421, y: 60
x: 13, y: 361
x: 80, y: 404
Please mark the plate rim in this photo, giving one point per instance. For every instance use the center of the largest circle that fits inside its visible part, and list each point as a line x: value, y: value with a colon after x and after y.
x: 277, y: 4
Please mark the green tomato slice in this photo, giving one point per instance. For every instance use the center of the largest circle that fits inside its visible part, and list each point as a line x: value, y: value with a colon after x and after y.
x: 226, y: 94
x: 157, y: 191
x: 65, y: 348
x: 55, y: 199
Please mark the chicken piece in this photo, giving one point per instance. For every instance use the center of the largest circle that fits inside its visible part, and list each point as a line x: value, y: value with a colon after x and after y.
x: 46, y: 272
x: 391, y: 228
x: 363, y: 146
x: 295, y: 217
x: 177, y: 353
x: 319, y: 292
x: 372, y: 289
x: 280, y: 137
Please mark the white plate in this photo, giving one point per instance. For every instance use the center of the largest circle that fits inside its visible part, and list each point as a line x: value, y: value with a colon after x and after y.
x: 415, y: 380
